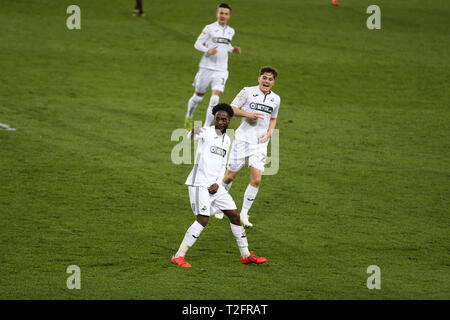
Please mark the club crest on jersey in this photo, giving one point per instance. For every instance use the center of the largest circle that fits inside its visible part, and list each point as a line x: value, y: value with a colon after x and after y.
x: 218, y: 151
x: 260, y: 107
x: 221, y: 40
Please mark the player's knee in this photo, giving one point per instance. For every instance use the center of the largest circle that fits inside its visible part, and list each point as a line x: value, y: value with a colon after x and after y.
x: 255, y: 182
x: 203, y: 220
x: 234, y: 217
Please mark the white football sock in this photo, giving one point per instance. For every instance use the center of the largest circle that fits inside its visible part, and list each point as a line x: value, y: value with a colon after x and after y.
x: 189, y: 238
x: 249, y: 197
x: 241, y: 239
x: 244, y: 252
x: 227, y: 186
x: 213, y: 101
x: 192, y: 104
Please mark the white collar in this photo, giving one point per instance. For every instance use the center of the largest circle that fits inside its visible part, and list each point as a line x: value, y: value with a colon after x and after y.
x: 270, y: 91
x: 218, y: 24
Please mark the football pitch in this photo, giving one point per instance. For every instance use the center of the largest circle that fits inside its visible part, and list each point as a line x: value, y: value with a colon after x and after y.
x: 87, y: 177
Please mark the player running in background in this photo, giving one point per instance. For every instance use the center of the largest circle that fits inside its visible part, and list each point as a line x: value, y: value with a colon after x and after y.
x: 205, y: 186
x: 258, y: 106
x: 138, y: 10
x: 215, y: 42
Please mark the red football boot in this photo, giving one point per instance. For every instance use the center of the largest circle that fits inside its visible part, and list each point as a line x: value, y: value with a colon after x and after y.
x: 180, y: 262
x: 253, y: 259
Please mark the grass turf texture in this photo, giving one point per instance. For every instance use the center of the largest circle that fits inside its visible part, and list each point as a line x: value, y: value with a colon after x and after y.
x: 87, y: 177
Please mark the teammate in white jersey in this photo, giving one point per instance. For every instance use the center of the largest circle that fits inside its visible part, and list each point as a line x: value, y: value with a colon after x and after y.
x: 215, y: 42
x: 206, y: 188
x: 258, y: 106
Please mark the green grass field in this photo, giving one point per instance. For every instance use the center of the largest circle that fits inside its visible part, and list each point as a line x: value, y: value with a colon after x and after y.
x: 87, y: 177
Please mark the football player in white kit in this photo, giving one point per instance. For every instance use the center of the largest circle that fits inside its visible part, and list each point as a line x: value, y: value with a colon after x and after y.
x: 215, y: 42
x: 258, y: 106
x: 206, y: 188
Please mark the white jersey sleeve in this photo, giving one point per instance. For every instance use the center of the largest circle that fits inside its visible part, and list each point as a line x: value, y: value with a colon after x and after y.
x: 240, y: 99
x: 202, y: 39
x: 274, y: 114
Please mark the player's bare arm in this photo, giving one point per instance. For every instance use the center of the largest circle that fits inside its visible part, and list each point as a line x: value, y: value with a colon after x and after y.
x: 250, y: 115
x: 265, y: 136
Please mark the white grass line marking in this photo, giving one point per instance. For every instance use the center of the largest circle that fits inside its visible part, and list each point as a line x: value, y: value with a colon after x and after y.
x: 6, y: 127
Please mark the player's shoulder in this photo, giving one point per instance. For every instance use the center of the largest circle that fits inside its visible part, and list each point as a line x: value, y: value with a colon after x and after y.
x: 248, y: 89
x: 252, y: 89
x: 211, y: 25
x: 230, y: 29
x: 275, y: 96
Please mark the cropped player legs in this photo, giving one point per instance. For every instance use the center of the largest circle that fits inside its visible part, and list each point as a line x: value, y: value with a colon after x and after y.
x: 238, y: 232
x: 251, y: 191
x: 213, y: 101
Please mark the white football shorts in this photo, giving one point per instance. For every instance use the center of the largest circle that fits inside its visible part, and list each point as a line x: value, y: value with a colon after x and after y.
x: 201, y: 200
x: 206, y: 77
x: 241, y: 150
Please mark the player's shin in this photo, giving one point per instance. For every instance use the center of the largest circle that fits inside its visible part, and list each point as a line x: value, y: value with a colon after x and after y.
x: 213, y: 101
x: 189, y: 238
x: 249, y: 198
x: 192, y: 104
x: 241, y: 239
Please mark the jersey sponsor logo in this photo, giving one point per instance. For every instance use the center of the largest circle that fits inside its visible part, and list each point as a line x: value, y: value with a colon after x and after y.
x: 217, y: 150
x: 221, y: 40
x: 260, y: 107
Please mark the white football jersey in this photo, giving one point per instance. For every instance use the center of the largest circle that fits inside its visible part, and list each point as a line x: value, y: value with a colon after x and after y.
x: 210, y: 158
x: 252, y: 99
x: 215, y: 35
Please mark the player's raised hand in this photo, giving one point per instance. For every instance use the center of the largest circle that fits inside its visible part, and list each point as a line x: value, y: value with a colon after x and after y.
x: 212, y: 51
x: 254, y: 115
x: 237, y: 50
x: 197, y: 130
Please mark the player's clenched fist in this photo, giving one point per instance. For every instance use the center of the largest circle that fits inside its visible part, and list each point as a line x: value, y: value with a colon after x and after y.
x: 213, y: 188
x: 212, y: 51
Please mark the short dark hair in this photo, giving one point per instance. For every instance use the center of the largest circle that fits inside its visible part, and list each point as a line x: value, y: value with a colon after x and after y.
x: 268, y: 69
x: 223, y: 107
x: 224, y: 5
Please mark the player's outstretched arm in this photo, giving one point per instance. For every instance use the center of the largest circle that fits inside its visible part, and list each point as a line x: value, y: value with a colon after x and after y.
x: 251, y: 115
